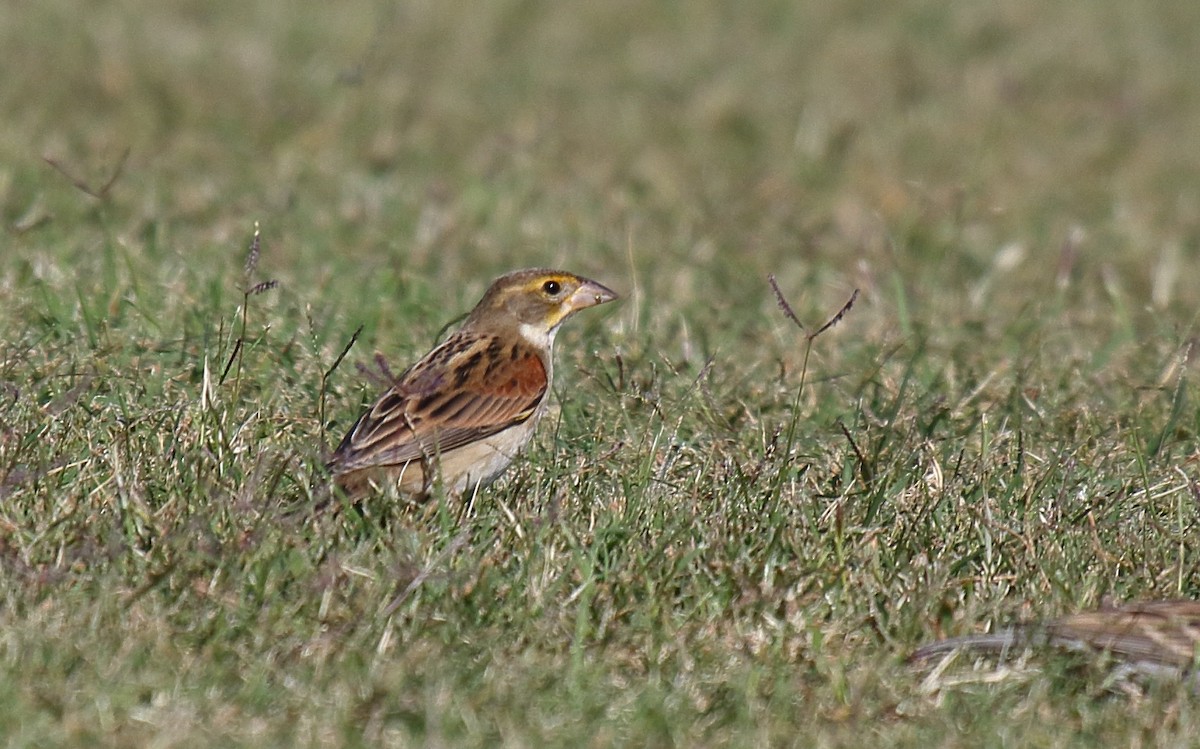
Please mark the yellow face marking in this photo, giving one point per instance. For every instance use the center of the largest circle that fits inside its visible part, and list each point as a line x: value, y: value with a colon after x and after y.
x: 555, y: 290
x: 552, y: 287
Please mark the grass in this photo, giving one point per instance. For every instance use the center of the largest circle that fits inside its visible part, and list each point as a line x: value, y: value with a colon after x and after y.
x: 718, y: 539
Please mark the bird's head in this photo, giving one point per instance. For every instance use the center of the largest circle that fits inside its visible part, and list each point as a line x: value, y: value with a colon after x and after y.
x: 537, y: 301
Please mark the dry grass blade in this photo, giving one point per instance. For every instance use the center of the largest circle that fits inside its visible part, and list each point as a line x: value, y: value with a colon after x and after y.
x: 837, y: 318
x: 784, y: 305
x: 261, y: 287
x: 345, y: 350
x: 233, y: 358
x: 863, y: 464
x: 791, y: 313
x: 254, y: 253
x: 100, y: 193
x: 457, y: 543
x: 809, y: 338
x: 328, y: 373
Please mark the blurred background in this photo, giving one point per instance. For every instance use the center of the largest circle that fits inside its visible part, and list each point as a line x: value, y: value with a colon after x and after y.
x: 980, y: 156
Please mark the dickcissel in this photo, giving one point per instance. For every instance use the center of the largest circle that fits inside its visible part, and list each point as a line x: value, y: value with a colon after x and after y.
x: 458, y: 417
x: 1149, y: 637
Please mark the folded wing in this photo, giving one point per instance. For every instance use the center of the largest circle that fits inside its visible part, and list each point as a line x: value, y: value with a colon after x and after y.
x: 463, y: 391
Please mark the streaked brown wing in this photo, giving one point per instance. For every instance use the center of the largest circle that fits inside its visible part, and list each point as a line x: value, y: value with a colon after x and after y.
x: 463, y: 391
x: 1150, y: 633
x: 1166, y: 632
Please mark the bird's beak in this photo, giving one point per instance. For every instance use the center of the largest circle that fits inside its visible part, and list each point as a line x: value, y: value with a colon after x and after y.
x: 589, y: 294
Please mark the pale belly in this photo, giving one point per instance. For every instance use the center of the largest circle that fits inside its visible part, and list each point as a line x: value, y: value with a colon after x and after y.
x: 459, y: 471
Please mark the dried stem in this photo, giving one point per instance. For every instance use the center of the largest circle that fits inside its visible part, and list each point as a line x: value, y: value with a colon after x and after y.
x: 325, y: 378
x: 100, y: 193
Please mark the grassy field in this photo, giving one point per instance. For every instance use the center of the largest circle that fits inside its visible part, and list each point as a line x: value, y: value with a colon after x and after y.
x: 707, y: 545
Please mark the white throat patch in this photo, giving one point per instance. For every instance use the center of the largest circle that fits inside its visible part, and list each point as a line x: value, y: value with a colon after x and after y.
x: 538, y: 337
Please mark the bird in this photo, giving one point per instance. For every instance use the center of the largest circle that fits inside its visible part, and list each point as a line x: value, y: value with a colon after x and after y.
x: 459, y: 415
x: 1148, y: 638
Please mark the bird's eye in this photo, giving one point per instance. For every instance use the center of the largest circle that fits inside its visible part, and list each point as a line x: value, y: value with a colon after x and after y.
x: 552, y: 288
